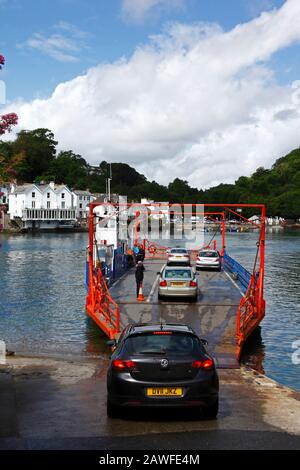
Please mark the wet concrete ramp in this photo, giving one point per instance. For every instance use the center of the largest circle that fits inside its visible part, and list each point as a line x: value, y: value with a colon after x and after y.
x: 213, y: 316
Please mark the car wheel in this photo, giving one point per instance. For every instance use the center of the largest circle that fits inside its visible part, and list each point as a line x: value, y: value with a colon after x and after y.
x: 112, y: 410
x: 160, y: 297
x: 211, y: 411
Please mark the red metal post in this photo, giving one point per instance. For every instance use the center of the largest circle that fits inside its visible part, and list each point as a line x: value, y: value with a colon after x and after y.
x: 91, y: 245
x: 223, y: 234
x: 262, y: 260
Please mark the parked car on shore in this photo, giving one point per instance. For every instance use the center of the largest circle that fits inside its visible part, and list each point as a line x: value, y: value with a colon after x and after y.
x: 178, y: 281
x: 162, y: 366
x: 209, y: 259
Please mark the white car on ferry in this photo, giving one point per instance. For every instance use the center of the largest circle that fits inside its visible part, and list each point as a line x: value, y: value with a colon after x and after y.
x: 209, y: 259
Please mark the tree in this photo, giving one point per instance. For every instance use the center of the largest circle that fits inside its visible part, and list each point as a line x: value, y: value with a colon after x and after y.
x: 179, y: 190
x: 69, y: 168
x: 39, y: 149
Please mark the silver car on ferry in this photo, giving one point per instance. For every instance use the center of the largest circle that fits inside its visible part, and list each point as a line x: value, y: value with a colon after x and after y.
x: 178, y: 281
x: 178, y: 256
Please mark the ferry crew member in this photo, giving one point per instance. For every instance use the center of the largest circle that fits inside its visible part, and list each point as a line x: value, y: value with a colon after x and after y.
x: 139, y: 276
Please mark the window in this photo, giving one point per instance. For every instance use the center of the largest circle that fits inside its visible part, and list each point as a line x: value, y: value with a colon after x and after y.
x: 178, y: 273
x: 175, y: 343
x: 208, y: 254
x: 48, y: 204
x: 48, y: 195
x: 80, y: 206
x: 33, y: 194
x: 33, y: 204
x: 63, y: 195
x: 80, y: 198
x: 63, y: 205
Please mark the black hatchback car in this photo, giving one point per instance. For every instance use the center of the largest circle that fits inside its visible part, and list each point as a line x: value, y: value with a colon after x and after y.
x: 162, y: 365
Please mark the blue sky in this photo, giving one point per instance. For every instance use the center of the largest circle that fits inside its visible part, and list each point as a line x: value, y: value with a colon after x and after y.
x: 204, y: 90
x: 97, y: 31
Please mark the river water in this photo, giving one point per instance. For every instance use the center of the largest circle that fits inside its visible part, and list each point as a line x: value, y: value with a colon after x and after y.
x: 42, y: 298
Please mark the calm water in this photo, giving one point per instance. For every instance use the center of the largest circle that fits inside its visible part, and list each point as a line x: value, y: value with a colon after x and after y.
x: 42, y: 298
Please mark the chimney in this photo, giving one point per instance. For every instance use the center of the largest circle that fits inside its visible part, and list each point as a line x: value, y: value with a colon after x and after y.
x: 52, y: 185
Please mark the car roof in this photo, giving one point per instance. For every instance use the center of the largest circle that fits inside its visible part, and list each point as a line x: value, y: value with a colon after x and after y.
x: 209, y: 250
x: 179, y: 268
x: 149, y: 327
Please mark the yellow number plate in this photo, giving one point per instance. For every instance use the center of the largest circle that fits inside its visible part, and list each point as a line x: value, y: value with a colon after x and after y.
x: 178, y: 284
x: 164, y: 392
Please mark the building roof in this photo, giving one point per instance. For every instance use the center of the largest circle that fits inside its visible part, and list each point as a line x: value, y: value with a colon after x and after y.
x: 25, y: 187
x: 41, y: 187
x: 79, y: 192
x: 59, y: 187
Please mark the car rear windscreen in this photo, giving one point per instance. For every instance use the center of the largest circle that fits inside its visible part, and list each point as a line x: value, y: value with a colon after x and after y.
x: 162, y: 343
x: 208, y: 254
x: 178, y: 274
x: 179, y: 250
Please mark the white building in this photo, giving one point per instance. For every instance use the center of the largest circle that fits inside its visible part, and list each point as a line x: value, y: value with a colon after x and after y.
x: 82, y: 200
x: 158, y: 210
x: 42, y: 206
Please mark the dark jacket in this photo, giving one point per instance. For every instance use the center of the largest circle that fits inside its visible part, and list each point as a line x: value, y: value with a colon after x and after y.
x: 139, y: 273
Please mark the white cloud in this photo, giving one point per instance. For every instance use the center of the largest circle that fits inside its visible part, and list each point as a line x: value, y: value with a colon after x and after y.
x: 137, y: 10
x: 63, y: 46
x: 196, y: 103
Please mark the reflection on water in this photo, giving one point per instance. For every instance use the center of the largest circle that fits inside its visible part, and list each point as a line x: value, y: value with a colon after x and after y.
x: 42, y: 298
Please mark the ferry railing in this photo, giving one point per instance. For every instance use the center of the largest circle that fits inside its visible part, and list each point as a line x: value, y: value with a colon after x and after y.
x: 243, y: 276
x: 252, y: 306
x: 100, y: 305
x: 251, y: 310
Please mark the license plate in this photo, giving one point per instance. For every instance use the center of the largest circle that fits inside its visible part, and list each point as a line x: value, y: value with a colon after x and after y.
x: 178, y: 257
x: 164, y: 392
x: 176, y: 284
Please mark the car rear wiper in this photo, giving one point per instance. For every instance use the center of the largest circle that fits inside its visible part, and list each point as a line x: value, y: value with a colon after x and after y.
x: 153, y: 352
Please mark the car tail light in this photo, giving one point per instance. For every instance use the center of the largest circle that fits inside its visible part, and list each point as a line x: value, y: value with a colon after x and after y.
x: 162, y: 332
x: 208, y: 364
x: 193, y: 284
x: 198, y: 258
x: 123, y: 365
x: 163, y: 283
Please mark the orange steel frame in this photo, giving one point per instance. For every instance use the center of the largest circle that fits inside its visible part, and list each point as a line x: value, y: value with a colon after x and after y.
x: 105, y: 312
x: 160, y: 253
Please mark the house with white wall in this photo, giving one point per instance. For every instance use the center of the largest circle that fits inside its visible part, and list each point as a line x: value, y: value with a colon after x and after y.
x: 42, y: 206
x: 82, y: 200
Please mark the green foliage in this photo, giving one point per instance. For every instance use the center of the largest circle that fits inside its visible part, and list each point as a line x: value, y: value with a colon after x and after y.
x: 33, y: 157
x: 39, y: 150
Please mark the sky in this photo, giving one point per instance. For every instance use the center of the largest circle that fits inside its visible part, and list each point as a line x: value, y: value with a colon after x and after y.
x: 202, y: 90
